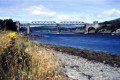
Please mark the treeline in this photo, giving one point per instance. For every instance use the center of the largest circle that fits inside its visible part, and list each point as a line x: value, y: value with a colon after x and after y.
x: 8, y: 24
x: 111, y: 26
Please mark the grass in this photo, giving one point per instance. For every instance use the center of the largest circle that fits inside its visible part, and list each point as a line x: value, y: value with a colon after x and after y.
x: 22, y: 59
x: 103, y: 57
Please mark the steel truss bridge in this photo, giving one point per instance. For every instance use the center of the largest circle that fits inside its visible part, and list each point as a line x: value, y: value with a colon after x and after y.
x: 51, y: 23
x: 57, y: 25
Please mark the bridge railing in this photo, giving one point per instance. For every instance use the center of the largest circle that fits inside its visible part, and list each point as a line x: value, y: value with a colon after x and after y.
x: 54, y: 23
x: 43, y: 23
x: 71, y: 23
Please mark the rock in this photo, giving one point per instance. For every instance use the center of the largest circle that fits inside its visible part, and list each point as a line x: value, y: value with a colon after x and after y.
x: 78, y: 68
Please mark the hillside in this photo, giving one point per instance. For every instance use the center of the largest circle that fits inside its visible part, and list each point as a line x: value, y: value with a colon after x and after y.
x: 110, y: 26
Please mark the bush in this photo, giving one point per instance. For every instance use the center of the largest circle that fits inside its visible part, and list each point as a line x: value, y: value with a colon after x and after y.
x: 21, y: 59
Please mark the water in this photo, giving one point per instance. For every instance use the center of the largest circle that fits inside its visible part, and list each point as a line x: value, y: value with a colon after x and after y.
x: 97, y: 42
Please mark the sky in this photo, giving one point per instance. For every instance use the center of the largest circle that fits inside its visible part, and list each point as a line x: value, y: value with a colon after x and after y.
x: 60, y: 10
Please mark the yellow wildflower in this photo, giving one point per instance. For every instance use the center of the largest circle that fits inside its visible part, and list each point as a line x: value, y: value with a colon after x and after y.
x: 12, y: 35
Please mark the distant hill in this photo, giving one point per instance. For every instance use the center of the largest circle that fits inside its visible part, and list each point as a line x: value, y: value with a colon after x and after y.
x: 110, y: 26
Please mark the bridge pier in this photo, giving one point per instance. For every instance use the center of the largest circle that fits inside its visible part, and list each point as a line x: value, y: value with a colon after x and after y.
x: 18, y: 25
x: 58, y: 28
x: 28, y: 29
x: 86, y: 29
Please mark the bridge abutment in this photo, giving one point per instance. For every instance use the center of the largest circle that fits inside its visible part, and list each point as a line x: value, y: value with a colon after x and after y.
x: 28, y: 29
x: 95, y: 25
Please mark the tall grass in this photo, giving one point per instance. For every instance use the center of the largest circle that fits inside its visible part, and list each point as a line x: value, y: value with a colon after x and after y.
x: 21, y: 59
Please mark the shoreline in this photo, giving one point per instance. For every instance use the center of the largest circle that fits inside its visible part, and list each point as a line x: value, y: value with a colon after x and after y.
x: 75, y: 67
x: 78, y: 68
x: 102, y: 57
x: 112, y: 34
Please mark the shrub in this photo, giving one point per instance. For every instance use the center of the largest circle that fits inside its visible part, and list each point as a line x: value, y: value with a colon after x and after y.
x: 21, y: 59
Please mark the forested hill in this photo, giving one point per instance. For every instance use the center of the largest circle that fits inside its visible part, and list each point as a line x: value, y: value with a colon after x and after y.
x: 111, y: 25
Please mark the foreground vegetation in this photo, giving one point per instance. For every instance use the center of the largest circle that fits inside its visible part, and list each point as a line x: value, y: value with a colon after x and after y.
x: 21, y: 59
x: 106, y: 58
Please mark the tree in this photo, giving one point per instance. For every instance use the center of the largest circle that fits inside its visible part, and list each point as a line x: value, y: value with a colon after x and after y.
x: 9, y: 25
x: 112, y: 25
x: 1, y: 24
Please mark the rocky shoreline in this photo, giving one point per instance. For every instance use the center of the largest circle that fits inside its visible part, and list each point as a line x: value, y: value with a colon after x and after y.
x: 102, y: 57
x: 77, y: 68
x: 80, y: 64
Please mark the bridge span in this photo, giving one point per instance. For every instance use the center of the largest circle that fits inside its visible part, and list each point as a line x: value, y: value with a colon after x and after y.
x: 57, y: 25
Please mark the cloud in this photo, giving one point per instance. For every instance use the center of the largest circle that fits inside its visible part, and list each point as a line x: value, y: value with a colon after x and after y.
x: 40, y: 11
x: 43, y: 12
x: 69, y: 17
x: 109, y: 13
x: 13, y: 18
x: 4, y: 17
x: 63, y: 17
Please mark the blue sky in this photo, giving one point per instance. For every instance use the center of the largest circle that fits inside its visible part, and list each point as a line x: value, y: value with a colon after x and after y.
x: 60, y: 10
